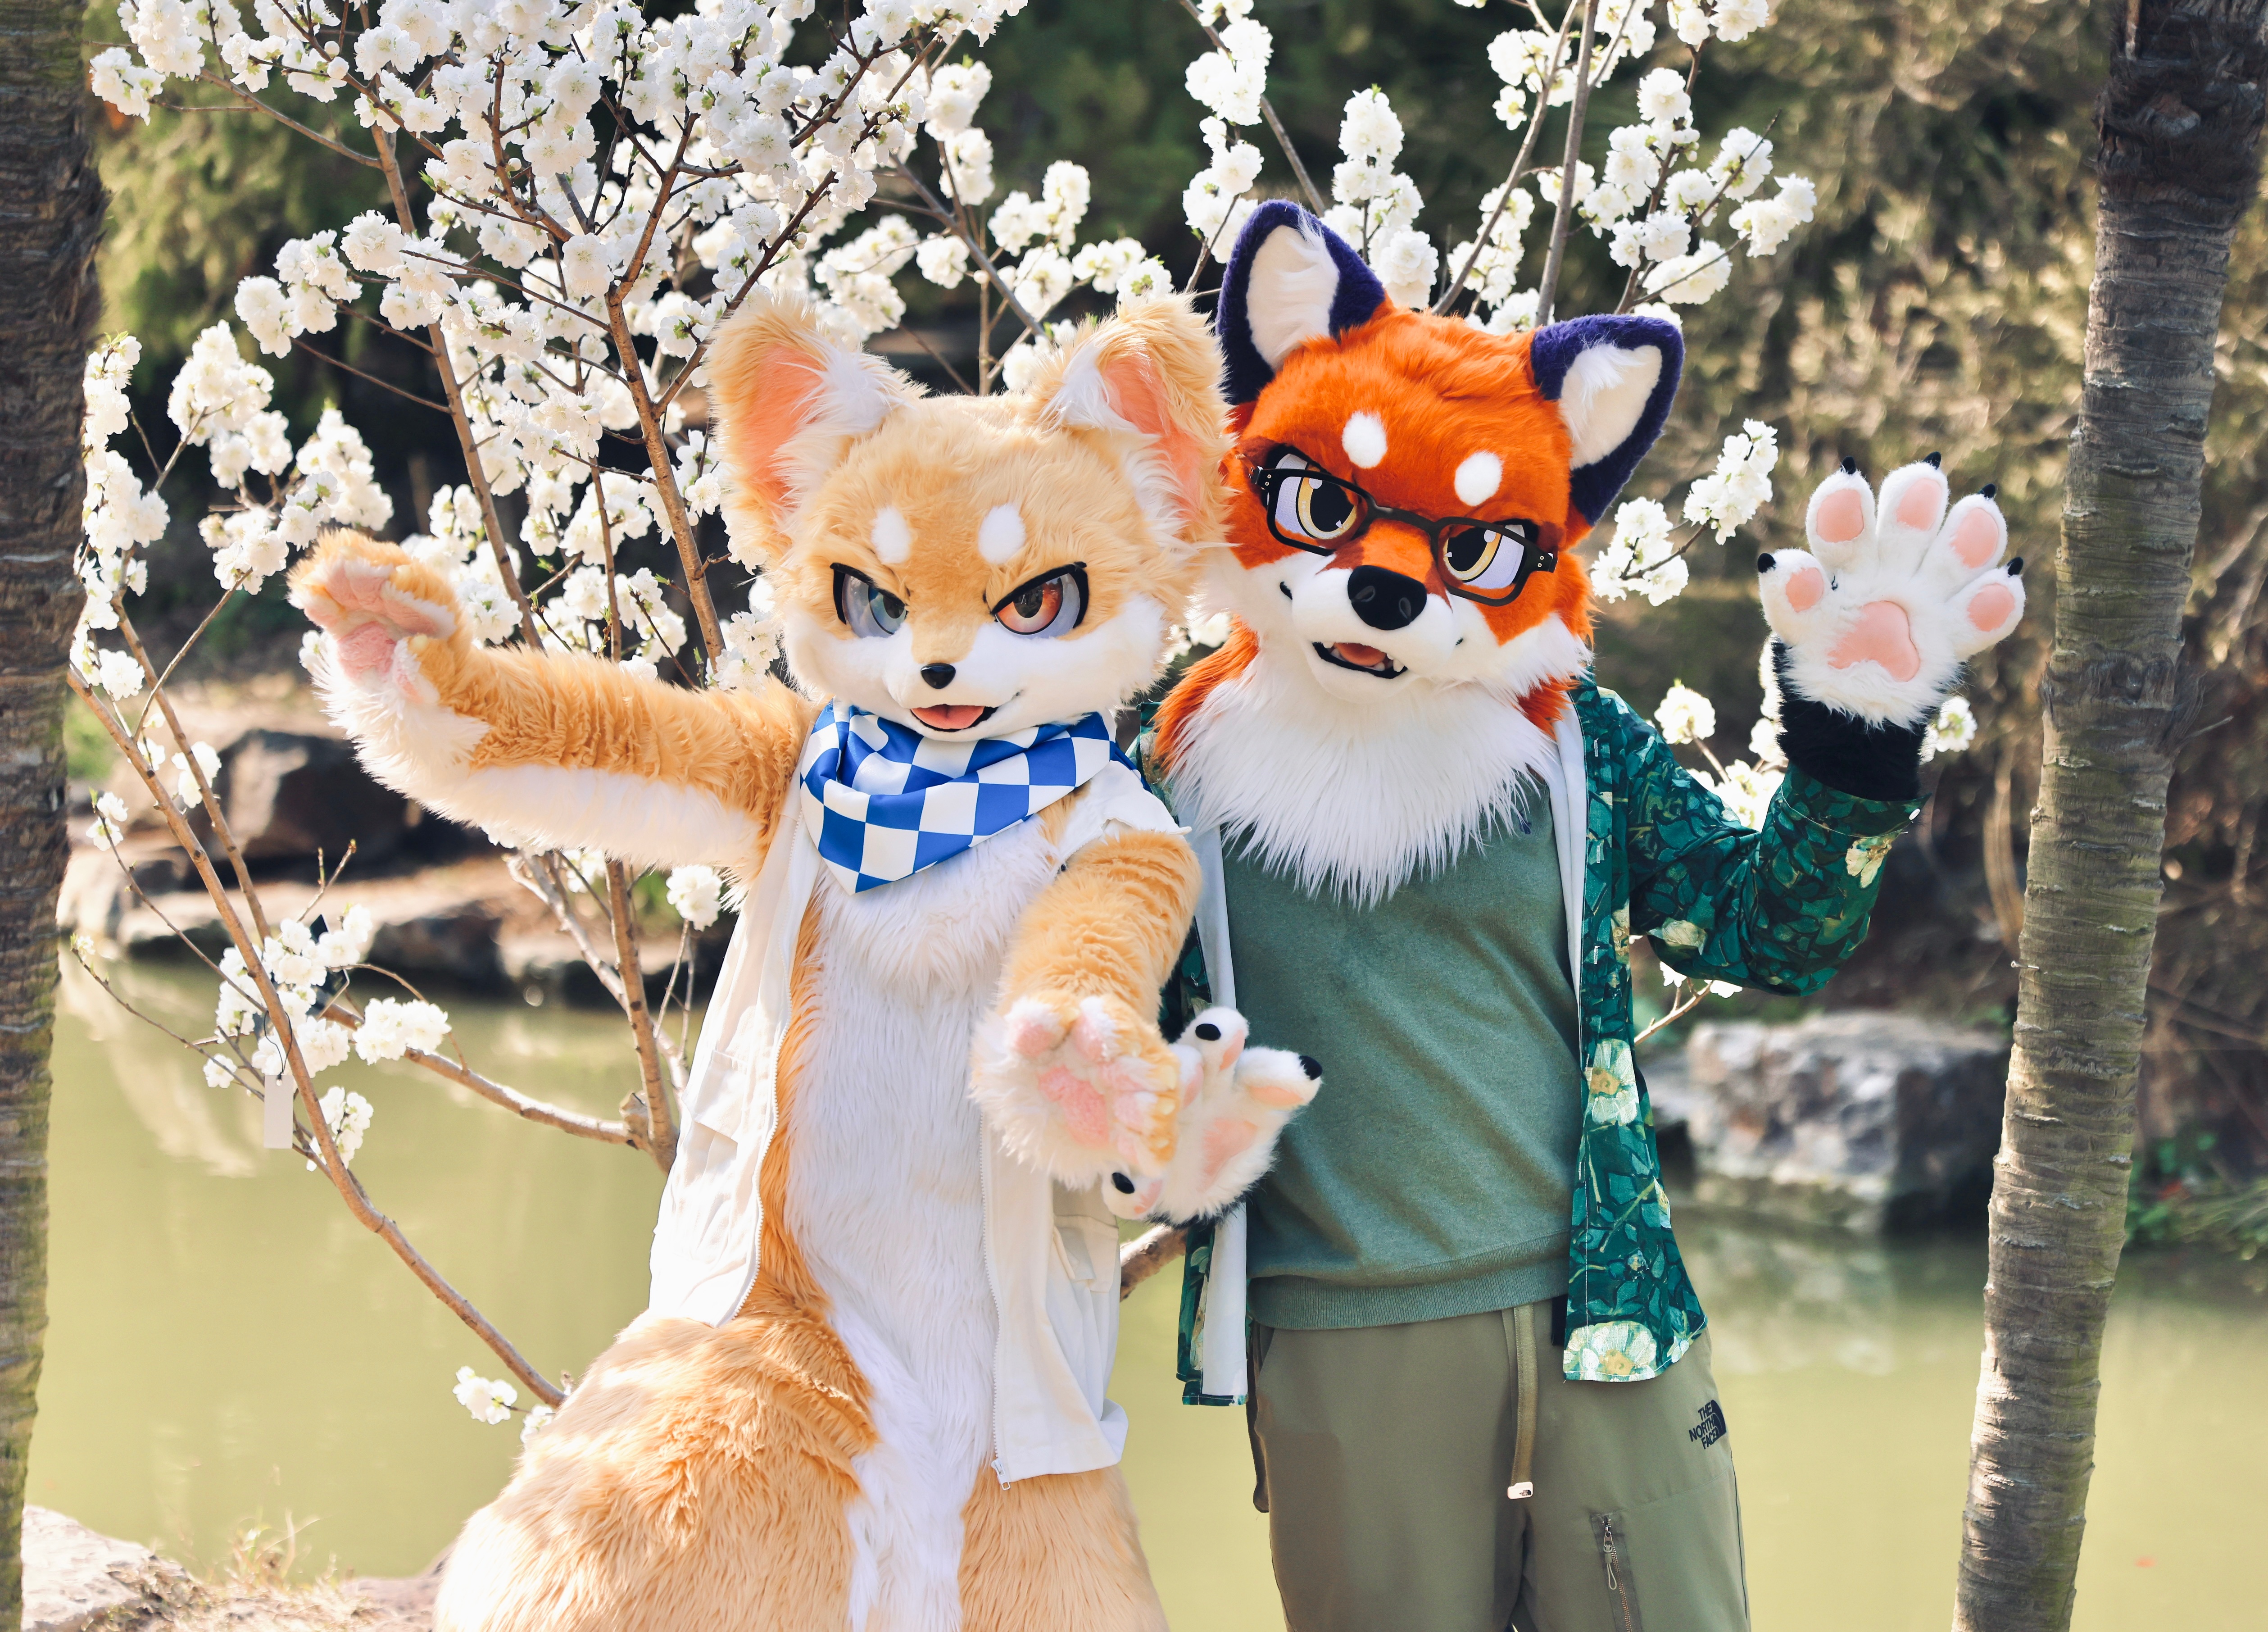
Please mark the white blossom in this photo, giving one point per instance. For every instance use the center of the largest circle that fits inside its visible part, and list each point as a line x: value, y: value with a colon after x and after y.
x: 1953, y: 730
x: 391, y: 1027
x: 490, y: 1400
x: 347, y: 1114
x: 1685, y: 715
x: 697, y: 895
x: 1741, y: 484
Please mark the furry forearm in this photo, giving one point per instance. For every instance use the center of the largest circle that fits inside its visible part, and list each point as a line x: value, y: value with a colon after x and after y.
x: 1110, y: 924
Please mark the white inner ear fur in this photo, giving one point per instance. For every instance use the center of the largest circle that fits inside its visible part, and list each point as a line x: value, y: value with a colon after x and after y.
x: 1288, y: 300
x: 1605, y: 392
x: 1365, y: 440
x: 1001, y: 534
x: 855, y: 393
x: 1083, y: 399
x: 893, y: 539
x: 1478, y: 477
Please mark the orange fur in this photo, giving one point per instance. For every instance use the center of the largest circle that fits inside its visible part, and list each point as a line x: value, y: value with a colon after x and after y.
x: 1178, y: 714
x: 1448, y: 390
x: 1060, y: 1551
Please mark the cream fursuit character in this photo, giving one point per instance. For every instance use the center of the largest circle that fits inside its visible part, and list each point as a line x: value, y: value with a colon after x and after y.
x: 869, y: 1390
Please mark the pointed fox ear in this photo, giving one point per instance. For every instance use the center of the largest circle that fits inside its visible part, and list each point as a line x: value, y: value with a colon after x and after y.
x: 1290, y: 279
x: 786, y: 403
x: 1150, y: 372
x: 1613, y: 379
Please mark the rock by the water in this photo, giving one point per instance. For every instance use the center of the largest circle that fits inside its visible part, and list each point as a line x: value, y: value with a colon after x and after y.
x: 1866, y: 1122
x: 74, y: 1577
x: 290, y: 793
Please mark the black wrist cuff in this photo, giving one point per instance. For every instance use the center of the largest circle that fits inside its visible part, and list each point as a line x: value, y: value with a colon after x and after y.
x: 1850, y: 755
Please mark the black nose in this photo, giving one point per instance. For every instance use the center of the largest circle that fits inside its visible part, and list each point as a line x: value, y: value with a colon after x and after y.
x: 1385, y: 600
x: 939, y: 675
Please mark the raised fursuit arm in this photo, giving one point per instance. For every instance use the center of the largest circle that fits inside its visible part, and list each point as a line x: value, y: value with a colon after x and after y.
x: 1871, y: 626
x: 554, y: 749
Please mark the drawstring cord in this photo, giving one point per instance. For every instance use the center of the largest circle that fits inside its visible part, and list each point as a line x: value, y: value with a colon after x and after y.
x: 1523, y: 1438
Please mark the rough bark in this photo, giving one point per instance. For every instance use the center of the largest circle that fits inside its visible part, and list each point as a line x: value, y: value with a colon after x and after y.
x: 50, y: 219
x: 2179, y: 125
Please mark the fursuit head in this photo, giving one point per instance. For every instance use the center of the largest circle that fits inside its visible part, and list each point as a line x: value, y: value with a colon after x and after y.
x: 1406, y: 494
x: 969, y: 1080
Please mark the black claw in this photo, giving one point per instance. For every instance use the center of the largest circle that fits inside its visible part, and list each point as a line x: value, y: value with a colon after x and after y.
x: 1850, y: 465
x: 2017, y: 567
x: 1764, y: 562
x: 1933, y: 459
x: 1989, y: 490
x: 1208, y: 1032
x: 1123, y: 1185
x: 1308, y: 1064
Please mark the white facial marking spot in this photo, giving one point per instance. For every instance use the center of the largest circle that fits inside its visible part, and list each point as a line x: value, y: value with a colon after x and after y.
x: 893, y: 539
x: 1477, y: 479
x: 1000, y: 535
x: 1365, y: 440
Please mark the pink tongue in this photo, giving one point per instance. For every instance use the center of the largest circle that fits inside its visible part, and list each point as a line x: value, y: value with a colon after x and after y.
x: 949, y: 716
x: 1366, y: 656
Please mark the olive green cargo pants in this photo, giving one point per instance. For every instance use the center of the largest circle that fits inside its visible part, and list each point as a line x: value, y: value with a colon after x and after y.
x: 1385, y: 1455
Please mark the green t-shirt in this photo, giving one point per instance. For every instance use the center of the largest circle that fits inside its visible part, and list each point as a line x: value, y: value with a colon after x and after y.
x: 1433, y: 1175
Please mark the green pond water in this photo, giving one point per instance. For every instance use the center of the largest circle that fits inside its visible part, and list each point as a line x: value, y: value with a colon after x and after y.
x: 228, y: 1348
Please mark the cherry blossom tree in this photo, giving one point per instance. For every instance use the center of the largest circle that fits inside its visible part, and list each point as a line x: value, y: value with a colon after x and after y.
x: 580, y: 193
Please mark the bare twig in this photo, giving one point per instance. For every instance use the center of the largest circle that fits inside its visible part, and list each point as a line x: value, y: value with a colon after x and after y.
x: 1695, y: 989
x: 1140, y: 1258
x: 1565, y: 222
x: 661, y: 1128
x: 496, y: 1093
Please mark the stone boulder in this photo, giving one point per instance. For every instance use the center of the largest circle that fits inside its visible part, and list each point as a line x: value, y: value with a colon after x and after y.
x: 76, y: 1578
x: 1868, y: 1122
x: 290, y: 793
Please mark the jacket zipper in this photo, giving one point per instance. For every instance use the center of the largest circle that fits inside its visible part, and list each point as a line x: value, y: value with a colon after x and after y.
x: 992, y: 1285
x: 1622, y: 1593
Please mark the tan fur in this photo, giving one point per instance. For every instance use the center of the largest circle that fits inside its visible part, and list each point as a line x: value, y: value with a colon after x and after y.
x: 1059, y: 1552
x: 578, y: 712
x: 698, y: 1477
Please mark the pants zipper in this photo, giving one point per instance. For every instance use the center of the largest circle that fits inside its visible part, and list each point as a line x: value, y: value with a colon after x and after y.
x: 1622, y: 1592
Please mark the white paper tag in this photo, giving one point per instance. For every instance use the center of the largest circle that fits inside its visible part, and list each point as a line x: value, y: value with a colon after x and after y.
x: 1521, y: 1491
x: 274, y: 1115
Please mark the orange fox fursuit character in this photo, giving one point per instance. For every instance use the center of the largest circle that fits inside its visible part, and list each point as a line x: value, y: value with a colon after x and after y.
x: 869, y: 1390
x: 1477, y: 1370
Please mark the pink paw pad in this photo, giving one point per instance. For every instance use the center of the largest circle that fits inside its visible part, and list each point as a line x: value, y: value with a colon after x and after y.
x: 367, y: 650
x: 1990, y: 607
x: 1883, y: 635
x: 1977, y: 537
x: 1842, y: 517
x: 1275, y: 1094
x: 1033, y: 1033
x: 1805, y: 589
x: 1093, y: 1037
x: 1918, y: 504
x: 1224, y: 1141
x: 1084, y: 1113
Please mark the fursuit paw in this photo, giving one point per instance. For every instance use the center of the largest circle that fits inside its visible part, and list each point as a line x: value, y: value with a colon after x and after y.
x: 374, y: 602
x: 1078, y: 1086
x: 1880, y: 613
x: 1234, y: 1101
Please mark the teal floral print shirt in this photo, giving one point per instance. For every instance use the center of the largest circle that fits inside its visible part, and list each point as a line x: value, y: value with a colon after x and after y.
x: 1780, y: 908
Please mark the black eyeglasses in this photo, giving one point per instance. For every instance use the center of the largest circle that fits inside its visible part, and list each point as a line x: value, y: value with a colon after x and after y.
x: 1489, y: 562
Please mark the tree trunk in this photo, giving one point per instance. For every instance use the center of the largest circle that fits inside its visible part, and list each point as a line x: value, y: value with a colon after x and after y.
x: 50, y: 221
x: 2179, y: 123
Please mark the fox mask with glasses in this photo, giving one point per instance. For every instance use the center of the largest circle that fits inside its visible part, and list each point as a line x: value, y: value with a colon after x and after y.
x: 1406, y: 490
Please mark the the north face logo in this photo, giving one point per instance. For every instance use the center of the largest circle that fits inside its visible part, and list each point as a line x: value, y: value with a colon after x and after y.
x: 1711, y: 1428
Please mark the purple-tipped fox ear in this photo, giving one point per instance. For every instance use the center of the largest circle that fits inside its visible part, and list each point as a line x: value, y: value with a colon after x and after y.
x: 1613, y: 379
x: 1290, y: 280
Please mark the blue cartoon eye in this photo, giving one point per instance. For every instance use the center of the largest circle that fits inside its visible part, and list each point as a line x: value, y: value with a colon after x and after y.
x: 866, y: 608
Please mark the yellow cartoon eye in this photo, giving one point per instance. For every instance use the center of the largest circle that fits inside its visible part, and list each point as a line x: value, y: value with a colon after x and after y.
x: 1310, y: 503
x: 1488, y: 556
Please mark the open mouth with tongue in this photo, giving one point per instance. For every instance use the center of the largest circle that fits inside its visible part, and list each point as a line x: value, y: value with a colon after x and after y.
x: 953, y: 716
x: 1363, y: 660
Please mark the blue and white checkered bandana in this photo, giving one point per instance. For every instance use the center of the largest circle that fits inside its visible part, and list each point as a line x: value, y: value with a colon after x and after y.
x: 882, y: 801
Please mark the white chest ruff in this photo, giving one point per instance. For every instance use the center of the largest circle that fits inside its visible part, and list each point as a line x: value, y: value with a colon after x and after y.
x: 1356, y: 798
x: 884, y: 1196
